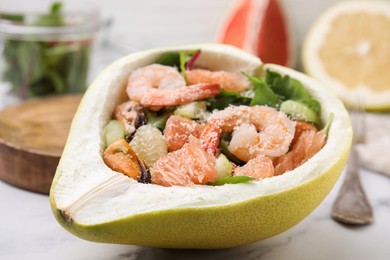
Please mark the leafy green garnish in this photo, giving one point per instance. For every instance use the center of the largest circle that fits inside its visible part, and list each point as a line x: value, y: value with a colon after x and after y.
x: 177, y: 59
x: 263, y: 93
x: 183, y: 57
x: 39, y: 68
x: 232, y: 180
x: 158, y: 119
x: 186, y: 57
x: 226, y: 98
x: 290, y: 89
x: 169, y: 59
x: 223, y: 146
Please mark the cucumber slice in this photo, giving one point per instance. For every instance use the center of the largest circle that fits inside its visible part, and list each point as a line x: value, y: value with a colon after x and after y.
x: 299, y: 111
x: 223, y: 145
x: 223, y: 166
x: 112, y: 132
x: 192, y: 110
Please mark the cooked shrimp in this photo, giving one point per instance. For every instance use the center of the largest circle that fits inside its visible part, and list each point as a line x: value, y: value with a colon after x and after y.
x: 178, y: 130
x: 120, y: 157
x: 131, y: 114
x: 158, y: 85
x: 300, y: 127
x: 185, y: 167
x: 153, y: 76
x: 266, y: 131
x: 259, y: 168
x: 307, y: 142
x: 228, y: 80
x: 168, y: 97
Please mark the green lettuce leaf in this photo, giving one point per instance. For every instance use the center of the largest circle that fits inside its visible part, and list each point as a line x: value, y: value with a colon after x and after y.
x: 290, y: 89
x: 226, y: 98
x: 263, y: 93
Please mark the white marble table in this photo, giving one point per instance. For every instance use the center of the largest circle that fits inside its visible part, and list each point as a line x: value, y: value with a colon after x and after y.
x: 28, y: 230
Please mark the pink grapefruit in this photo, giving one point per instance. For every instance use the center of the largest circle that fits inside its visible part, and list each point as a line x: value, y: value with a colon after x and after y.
x: 259, y: 27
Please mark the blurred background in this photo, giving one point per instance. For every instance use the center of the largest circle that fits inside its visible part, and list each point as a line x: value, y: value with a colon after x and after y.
x: 183, y: 22
x: 128, y: 26
x: 175, y: 22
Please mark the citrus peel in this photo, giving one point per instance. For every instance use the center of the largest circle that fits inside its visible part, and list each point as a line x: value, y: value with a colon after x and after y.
x: 259, y: 27
x: 95, y: 203
x: 347, y: 50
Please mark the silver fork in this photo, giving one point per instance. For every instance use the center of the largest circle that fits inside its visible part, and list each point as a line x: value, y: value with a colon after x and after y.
x: 351, y: 205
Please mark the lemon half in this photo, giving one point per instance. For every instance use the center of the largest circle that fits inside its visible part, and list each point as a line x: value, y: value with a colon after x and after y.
x: 348, y: 49
x: 95, y: 203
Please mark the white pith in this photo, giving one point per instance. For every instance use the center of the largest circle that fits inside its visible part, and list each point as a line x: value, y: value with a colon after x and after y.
x: 90, y: 193
x: 315, y: 68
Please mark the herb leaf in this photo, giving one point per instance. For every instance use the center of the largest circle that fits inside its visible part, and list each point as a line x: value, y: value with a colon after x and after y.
x: 183, y: 60
x: 169, y: 59
x: 226, y: 98
x: 223, y: 146
x: 232, y: 180
x: 263, y: 93
x: 287, y: 88
x: 158, y: 119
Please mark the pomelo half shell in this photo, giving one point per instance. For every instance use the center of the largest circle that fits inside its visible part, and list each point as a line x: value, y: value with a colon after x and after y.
x: 98, y: 204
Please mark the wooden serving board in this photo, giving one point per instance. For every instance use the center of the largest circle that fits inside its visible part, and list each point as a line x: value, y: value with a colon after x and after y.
x: 32, y: 137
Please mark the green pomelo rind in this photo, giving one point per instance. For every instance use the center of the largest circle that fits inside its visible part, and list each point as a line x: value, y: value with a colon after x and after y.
x: 216, y: 227
x: 224, y: 225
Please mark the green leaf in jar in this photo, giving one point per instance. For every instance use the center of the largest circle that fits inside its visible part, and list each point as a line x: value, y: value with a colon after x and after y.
x: 14, y: 17
x: 75, y: 65
x: 35, y: 67
x: 50, y: 83
x: 53, y: 55
x: 53, y: 18
x: 31, y: 63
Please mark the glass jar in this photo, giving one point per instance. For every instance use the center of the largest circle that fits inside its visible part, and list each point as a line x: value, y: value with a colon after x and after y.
x: 46, y: 50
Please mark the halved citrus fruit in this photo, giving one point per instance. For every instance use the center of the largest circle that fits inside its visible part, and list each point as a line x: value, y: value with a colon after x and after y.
x: 347, y: 48
x: 98, y: 204
x: 259, y: 27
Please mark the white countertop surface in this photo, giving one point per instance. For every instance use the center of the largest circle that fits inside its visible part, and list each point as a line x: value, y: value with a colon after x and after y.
x: 28, y: 230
